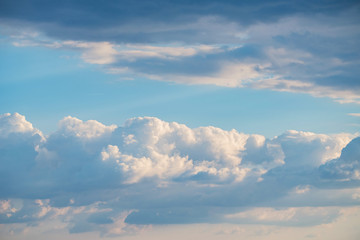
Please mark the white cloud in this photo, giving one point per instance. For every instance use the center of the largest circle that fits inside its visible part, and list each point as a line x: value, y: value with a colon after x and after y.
x: 262, y: 76
x: 231, y: 74
x: 134, y: 52
x: 84, y: 130
x: 287, y: 216
x: 347, y: 166
x: 15, y: 123
x: 94, y: 52
x: 152, y: 139
x: 310, y: 149
x: 107, y: 178
x: 283, y: 85
x: 104, y: 53
x: 148, y: 147
x: 157, y: 164
x: 265, y: 215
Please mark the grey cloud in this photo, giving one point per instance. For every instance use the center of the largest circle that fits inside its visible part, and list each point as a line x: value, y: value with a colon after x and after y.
x: 305, y: 47
x: 78, y: 19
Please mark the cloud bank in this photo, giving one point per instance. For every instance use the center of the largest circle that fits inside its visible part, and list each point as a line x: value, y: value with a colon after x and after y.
x: 299, y: 47
x: 119, y: 179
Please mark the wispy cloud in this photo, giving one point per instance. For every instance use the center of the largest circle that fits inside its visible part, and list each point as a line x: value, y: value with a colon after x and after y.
x: 268, y: 55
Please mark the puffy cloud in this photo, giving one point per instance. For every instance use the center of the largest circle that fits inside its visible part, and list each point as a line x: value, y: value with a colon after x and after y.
x: 15, y: 124
x: 157, y: 164
x: 71, y: 126
x: 18, y: 144
x: 102, y: 178
x: 310, y: 149
x: 347, y: 166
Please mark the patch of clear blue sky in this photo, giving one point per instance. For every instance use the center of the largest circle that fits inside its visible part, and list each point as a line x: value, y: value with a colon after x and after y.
x: 47, y: 84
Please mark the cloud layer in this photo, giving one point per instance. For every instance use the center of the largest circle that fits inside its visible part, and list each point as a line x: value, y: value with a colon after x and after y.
x: 117, y: 179
x: 294, y: 47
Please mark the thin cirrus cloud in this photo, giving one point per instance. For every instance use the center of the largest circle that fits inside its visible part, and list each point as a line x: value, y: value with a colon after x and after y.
x: 118, y: 180
x: 296, y: 49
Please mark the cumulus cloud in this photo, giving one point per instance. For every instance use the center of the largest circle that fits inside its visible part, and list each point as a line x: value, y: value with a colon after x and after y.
x: 70, y: 126
x: 347, y: 166
x: 159, y: 165
x: 109, y: 179
x: 15, y: 124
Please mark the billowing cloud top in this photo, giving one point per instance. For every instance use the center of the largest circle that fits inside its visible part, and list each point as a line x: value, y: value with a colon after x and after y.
x: 112, y: 178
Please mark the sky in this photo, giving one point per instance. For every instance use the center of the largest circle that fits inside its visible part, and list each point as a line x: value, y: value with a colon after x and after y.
x: 179, y: 119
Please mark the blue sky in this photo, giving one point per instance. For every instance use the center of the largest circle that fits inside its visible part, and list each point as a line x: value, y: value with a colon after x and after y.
x: 55, y: 83
x: 121, y: 117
